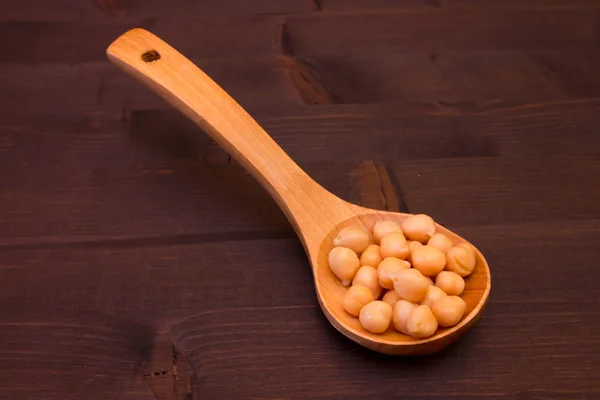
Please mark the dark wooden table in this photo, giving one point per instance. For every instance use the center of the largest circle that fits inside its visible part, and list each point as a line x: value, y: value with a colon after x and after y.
x: 138, y: 261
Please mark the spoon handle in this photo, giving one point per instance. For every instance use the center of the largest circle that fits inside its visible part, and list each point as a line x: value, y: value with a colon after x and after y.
x: 181, y: 83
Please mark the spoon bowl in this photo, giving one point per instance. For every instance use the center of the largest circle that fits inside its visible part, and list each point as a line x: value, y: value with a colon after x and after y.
x: 316, y: 214
x: 331, y: 292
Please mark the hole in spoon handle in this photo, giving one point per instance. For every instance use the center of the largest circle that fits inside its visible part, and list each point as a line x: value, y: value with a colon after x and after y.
x: 150, y: 56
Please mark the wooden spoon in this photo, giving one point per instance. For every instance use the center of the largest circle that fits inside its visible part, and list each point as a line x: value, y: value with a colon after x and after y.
x: 316, y: 214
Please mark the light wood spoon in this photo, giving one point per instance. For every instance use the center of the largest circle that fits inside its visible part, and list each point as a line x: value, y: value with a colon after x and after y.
x: 316, y: 214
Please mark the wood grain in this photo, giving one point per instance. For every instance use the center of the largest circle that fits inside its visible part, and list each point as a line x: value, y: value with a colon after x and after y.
x: 508, y: 186
x: 183, y: 10
x: 436, y: 32
x: 85, y: 41
x: 253, y: 324
x: 363, y: 6
x: 420, y: 130
x: 477, y: 76
x: 259, y: 84
x: 130, y: 244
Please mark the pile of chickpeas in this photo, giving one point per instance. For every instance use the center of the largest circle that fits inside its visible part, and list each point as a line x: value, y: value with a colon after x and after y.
x: 407, y: 276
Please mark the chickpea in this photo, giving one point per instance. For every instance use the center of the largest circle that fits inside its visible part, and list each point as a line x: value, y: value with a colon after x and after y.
x: 388, y: 268
x: 367, y: 276
x: 394, y: 245
x: 410, y: 284
x: 429, y: 260
x: 441, y: 242
x: 413, y: 245
x: 344, y: 263
x: 421, y: 322
x: 371, y: 256
x: 461, y: 259
x: 432, y: 294
x: 383, y: 228
x: 356, y: 298
x: 400, y: 313
x: 450, y: 282
x: 352, y: 237
x: 418, y: 227
x: 391, y: 297
x: 448, y: 310
x: 376, y: 316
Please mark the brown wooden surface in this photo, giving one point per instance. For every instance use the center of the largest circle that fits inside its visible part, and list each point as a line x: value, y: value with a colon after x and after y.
x: 138, y: 262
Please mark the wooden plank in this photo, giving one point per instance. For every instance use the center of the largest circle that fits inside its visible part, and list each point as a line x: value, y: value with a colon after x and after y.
x: 403, y: 131
x: 69, y: 10
x: 83, y: 172
x: 184, y: 9
x: 95, y: 180
x: 261, y: 84
x: 255, y: 83
x: 141, y: 284
x: 542, y: 130
x: 231, y: 37
x: 264, y: 83
x: 445, y: 5
x: 104, y: 307
x: 452, y: 77
x: 437, y: 32
x: 91, y: 190
x: 366, y: 6
x: 516, y: 4
x: 95, y: 324
x: 95, y: 357
x: 83, y: 41
x: 256, y: 347
x: 344, y: 133
x: 98, y: 10
x: 34, y: 89
x: 504, y: 189
x: 80, y: 41
x: 347, y: 133
x: 40, y: 10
